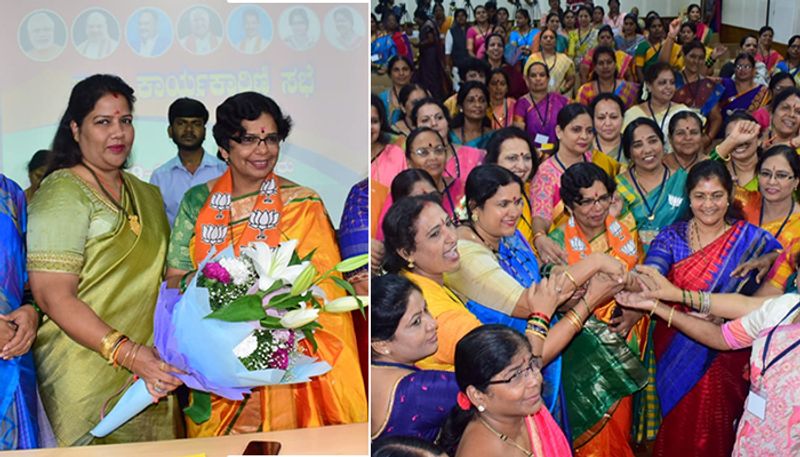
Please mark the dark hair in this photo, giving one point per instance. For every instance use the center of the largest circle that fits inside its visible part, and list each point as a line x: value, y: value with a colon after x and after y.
x: 693, y: 6
x: 586, y: 8
x: 550, y: 16
x: 484, y: 181
x: 627, y: 134
x: 607, y: 96
x: 420, y: 13
x: 494, y: 35
x: 404, y: 446
x: 777, y: 78
x: 405, y: 180
x: 569, y: 112
x: 187, y: 107
x: 524, y: 14
x: 605, y: 28
x: 598, y: 51
x: 406, y: 91
x: 739, y: 115
x: 473, y: 64
x: 40, y: 159
x: 398, y: 58
x: 681, y: 115
x: 500, y: 136
x: 429, y: 101
x: 377, y: 103
x: 82, y: 99
x: 745, y: 38
x: 783, y: 150
x: 497, y: 71
x: 399, y: 229
x: 782, y: 96
x: 746, y: 56
x: 794, y: 37
x: 652, y: 72
x: 635, y: 20
x: 463, y: 91
x: 480, y: 355
x: 651, y: 19
x: 765, y: 29
x: 538, y: 62
x: 388, y: 303
x: 692, y: 45
x: 417, y: 131
x: 691, y: 25
x: 247, y: 106
x: 598, y: 7
x: 459, y: 11
x: 582, y: 175
x: 708, y: 169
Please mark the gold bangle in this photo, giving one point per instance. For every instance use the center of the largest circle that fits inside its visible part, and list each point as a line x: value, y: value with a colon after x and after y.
x: 669, y: 321
x: 655, y: 306
x: 531, y: 332
x: 586, y: 304
x: 109, y: 341
x: 571, y: 278
x: 532, y: 323
x: 574, y: 319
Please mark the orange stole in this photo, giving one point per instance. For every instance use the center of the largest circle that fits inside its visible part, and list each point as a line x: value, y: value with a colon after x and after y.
x: 334, y: 398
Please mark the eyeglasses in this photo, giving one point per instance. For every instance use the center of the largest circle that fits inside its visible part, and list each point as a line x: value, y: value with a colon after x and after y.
x: 272, y: 140
x: 519, y: 375
x: 425, y: 152
x: 766, y: 175
x: 745, y: 66
x: 602, y: 200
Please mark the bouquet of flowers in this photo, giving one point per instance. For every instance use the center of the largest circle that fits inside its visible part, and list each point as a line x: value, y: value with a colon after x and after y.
x: 239, y: 325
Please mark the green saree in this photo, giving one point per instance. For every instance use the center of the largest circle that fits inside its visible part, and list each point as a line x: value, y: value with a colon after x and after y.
x: 75, y: 230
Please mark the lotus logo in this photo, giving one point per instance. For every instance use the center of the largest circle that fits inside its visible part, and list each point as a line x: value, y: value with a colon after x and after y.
x: 674, y: 201
x: 577, y: 244
x: 220, y: 202
x: 629, y: 248
x: 214, y: 234
x: 615, y: 229
x: 263, y: 220
x: 268, y: 189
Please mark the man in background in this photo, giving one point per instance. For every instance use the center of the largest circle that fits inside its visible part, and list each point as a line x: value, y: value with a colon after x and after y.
x: 192, y: 166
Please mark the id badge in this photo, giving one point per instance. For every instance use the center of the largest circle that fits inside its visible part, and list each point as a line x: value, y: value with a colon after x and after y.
x: 541, y: 139
x: 757, y: 404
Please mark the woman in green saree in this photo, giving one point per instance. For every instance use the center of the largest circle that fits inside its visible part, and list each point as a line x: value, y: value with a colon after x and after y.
x: 97, y: 244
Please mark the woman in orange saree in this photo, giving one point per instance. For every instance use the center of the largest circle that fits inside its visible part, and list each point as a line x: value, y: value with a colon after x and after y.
x: 249, y: 202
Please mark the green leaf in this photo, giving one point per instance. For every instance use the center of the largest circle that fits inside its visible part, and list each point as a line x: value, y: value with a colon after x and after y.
x: 287, y: 302
x: 309, y: 255
x: 344, y: 285
x: 243, y: 309
x: 310, y: 336
x: 353, y: 263
x: 271, y: 322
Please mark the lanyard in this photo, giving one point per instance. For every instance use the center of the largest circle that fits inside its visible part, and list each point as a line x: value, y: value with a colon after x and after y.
x: 653, y: 113
x: 761, y: 218
x: 561, y: 164
x: 769, y: 339
x: 651, y: 212
x: 542, y: 119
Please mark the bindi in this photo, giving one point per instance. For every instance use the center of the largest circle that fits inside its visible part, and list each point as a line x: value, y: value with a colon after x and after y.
x: 262, y: 129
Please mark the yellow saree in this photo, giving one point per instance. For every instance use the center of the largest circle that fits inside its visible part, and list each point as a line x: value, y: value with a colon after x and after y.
x: 336, y: 397
x: 73, y: 229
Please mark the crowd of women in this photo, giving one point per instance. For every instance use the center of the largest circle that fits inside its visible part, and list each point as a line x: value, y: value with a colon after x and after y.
x: 589, y: 247
x: 83, y: 263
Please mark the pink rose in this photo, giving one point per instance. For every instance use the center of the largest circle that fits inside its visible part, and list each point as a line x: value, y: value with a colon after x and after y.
x: 217, y: 272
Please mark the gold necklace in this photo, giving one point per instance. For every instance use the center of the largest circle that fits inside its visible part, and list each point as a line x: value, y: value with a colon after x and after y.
x: 504, y: 438
x: 697, y: 233
x: 133, y: 219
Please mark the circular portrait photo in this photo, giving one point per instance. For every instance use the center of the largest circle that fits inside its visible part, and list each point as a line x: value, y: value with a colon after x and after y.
x: 345, y: 28
x: 149, y: 32
x: 200, y: 30
x: 249, y: 29
x: 42, y: 35
x: 299, y: 28
x: 96, y: 33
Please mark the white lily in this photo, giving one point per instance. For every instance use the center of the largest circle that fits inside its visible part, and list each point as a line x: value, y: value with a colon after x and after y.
x: 272, y: 264
x: 299, y: 317
x: 345, y: 304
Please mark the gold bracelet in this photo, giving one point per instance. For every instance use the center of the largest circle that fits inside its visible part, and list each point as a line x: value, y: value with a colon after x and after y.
x: 532, y: 323
x: 571, y: 278
x: 655, y: 306
x: 531, y: 332
x: 109, y: 341
x: 669, y: 321
x: 574, y: 319
x: 586, y: 304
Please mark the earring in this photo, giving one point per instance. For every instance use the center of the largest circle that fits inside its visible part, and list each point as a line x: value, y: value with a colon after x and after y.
x: 385, y: 352
x: 411, y: 264
x: 481, y: 408
x: 475, y: 217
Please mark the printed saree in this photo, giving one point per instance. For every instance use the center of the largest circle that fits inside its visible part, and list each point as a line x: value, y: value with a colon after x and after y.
x: 99, y: 247
x: 336, y: 397
x: 701, y: 391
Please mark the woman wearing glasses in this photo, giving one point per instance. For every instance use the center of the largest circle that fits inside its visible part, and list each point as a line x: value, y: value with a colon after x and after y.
x: 750, y: 95
x: 778, y: 171
x: 500, y: 410
x: 613, y: 340
x: 249, y: 130
x: 701, y: 392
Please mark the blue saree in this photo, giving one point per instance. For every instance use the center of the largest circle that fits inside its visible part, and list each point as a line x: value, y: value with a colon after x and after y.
x: 702, y: 391
x: 518, y: 260
x: 19, y: 403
